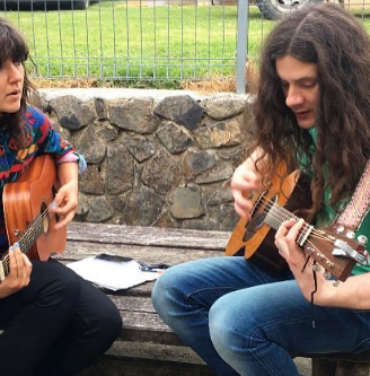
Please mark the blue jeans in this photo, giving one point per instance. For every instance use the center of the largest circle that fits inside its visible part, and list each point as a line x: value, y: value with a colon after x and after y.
x: 243, y: 321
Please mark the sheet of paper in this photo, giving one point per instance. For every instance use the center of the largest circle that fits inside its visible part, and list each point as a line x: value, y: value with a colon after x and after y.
x: 112, y: 275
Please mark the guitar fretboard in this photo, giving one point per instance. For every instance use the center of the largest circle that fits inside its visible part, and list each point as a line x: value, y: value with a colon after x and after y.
x: 276, y: 215
x: 26, y: 240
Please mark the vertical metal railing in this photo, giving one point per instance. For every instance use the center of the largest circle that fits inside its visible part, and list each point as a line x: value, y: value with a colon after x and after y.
x: 242, y: 46
x: 134, y: 40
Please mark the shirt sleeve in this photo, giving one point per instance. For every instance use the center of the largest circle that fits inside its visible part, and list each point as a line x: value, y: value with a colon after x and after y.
x: 74, y: 156
x: 45, y: 136
x: 50, y: 141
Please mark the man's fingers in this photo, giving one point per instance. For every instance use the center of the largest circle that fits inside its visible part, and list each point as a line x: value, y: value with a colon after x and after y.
x: 290, y: 228
x: 286, y: 239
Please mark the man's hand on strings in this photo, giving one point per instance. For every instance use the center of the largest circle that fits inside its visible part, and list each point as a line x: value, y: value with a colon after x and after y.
x: 19, y: 275
x: 243, y: 183
x: 286, y: 242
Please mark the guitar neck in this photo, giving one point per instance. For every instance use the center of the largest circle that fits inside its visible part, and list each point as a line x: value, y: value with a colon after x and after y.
x: 276, y: 215
x: 25, y: 241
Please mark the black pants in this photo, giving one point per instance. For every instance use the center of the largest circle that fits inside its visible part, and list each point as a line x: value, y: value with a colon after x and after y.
x: 57, y: 325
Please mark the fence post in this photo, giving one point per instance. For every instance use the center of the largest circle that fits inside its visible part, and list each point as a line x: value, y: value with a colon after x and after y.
x: 242, y: 44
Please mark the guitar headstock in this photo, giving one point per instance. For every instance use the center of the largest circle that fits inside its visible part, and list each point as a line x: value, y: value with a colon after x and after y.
x: 336, y: 250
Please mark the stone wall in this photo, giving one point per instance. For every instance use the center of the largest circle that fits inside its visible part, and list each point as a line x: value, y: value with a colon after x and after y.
x: 154, y: 158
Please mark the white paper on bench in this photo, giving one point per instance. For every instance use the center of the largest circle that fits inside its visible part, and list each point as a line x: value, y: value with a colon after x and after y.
x: 111, y: 275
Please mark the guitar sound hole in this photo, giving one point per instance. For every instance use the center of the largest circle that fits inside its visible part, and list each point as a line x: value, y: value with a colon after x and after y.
x: 260, y: 211
x: 256, y: 222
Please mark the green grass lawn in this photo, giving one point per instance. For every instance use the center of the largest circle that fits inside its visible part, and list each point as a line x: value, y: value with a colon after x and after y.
x: 114, y: 41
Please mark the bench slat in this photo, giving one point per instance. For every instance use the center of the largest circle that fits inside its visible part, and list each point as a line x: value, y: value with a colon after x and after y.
x: 151, y: 254
x: 120, y: 234
x: 141, y: 324
x: 133, y: 304
x: 143, y: 327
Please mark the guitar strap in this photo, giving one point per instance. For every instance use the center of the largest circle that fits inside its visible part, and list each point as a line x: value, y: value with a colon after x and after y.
x: 359, y: 205
x: 351, y: 218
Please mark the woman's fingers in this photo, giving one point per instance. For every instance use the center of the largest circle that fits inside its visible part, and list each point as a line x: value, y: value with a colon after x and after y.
x: 20, y: 266
x: 20, y: 269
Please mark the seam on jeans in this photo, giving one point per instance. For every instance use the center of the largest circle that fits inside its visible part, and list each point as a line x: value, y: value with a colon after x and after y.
x: 277, y: 323
x: 251, y: 340
x: 189, y: 296
x: 261, y: 359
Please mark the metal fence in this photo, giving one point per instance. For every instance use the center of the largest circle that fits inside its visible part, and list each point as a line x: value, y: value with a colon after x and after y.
x: 147, y: 40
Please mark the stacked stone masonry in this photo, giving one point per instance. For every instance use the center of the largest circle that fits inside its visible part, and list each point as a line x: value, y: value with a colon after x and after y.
x: 154, y: 160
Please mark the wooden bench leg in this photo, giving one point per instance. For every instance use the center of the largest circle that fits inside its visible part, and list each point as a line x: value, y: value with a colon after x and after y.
x: 352, y: 369
x: 323, y: 367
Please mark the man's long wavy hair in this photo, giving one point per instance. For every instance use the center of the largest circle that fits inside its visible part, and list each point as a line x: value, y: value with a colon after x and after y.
x: 334, y: 40
x: 14, y: 48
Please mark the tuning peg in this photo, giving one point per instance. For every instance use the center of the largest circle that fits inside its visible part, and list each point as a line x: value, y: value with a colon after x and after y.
x: 327, y: 275
x: 316, y: 268
x: 340, y: 229
x: 350, y: 234
x: 320, y: 256
x: 362, y: 239
x: 310, y: 249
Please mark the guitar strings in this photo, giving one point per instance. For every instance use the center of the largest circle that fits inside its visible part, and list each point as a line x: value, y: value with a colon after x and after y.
x: 269, y: 206
x: 27, y: 234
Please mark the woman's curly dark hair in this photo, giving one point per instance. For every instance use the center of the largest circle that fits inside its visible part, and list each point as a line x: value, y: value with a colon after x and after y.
x: 330, y: 37
x: 14, y: 48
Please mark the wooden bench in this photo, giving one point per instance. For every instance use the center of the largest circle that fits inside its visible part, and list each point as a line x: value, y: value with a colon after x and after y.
x: 146, y: 345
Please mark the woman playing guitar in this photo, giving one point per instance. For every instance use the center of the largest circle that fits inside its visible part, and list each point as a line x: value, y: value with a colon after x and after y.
x: 54, y: 322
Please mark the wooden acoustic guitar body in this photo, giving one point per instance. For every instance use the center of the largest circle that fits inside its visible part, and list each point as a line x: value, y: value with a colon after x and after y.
x: 250, y: 236
x: 333, y: 248
x: 25, y: 204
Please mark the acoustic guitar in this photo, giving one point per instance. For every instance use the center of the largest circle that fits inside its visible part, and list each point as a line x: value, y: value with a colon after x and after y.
x: 334, y: 248
x: 28, y: 218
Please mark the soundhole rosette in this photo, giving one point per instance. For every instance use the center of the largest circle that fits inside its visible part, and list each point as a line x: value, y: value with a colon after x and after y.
x: 258, y: 215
